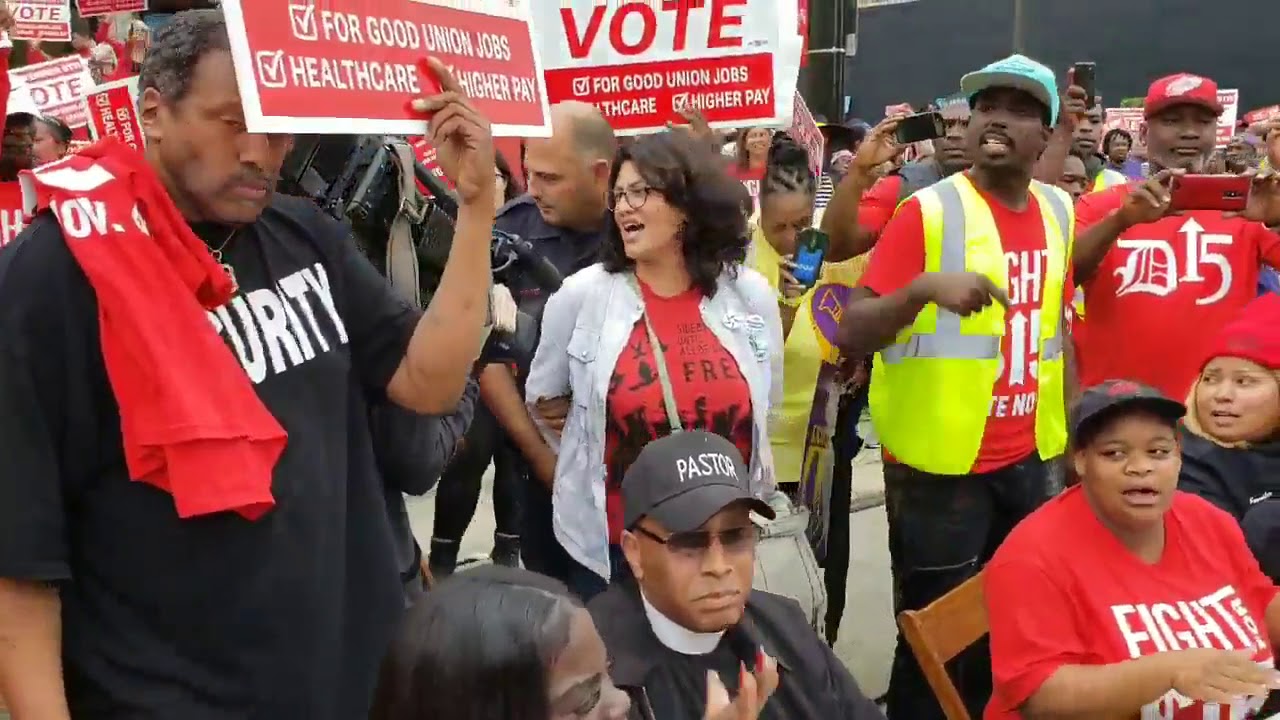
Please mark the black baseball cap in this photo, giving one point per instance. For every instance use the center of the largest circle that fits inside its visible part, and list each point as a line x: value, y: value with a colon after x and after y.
x: 683, y: 479
x: 1111, y: 397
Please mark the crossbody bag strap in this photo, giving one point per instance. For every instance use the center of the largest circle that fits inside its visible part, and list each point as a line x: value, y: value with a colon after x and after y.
x: 668, y: 394
x: 402, y: 254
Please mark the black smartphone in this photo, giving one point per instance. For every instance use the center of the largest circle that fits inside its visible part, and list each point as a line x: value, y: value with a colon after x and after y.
x: 1085, y: 76
x: 920, y: 127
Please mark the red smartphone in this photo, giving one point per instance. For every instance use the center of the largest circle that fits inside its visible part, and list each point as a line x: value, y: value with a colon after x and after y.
x: 1226, y: 193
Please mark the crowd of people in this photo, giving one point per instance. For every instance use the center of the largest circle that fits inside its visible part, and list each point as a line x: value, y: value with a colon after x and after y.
x: 212, y: 404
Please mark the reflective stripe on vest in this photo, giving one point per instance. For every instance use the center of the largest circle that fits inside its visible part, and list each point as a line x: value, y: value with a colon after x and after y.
x: 1108, y: 178
x: 932, y: 391
x: 946, y: 341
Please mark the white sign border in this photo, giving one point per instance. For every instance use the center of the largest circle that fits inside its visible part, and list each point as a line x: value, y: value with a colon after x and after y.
x: 259, y: 122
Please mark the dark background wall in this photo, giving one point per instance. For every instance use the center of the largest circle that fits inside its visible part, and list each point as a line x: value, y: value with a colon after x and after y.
x: 918, y: 51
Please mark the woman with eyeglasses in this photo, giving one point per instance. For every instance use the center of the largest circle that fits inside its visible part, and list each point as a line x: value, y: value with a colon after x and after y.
x: 669, y: 331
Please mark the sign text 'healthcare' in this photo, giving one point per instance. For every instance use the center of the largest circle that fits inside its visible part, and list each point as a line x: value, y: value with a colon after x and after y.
x: 351, y: 65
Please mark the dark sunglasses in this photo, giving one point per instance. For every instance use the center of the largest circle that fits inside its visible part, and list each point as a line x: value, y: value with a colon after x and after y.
x: 696, y: 542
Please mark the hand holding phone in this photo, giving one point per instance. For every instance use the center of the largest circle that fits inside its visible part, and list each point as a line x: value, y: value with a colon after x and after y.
x: 920, y: 127
x: 1084, y: 76
x: 811, y: 252
x: 1148, y: 201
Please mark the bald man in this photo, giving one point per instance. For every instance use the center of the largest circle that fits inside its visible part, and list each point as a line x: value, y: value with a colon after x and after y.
x: 564, y: 217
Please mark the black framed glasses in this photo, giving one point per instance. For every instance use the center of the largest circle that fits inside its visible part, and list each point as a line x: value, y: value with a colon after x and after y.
x: 696, y: 542
x: 635, y: 196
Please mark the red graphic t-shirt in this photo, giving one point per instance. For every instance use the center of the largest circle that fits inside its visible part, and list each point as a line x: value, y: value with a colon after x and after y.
x: 1010, y: 433
x: 1091, y: 601
x: 1164, y: 290
x: 879, y: 203
x: 750, y: 178
x: 711, y: 394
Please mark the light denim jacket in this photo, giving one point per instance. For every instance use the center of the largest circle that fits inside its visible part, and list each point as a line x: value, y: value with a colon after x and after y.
x: 585, y: 326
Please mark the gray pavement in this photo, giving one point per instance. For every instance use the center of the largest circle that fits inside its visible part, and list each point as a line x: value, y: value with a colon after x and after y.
x: 867, y: 633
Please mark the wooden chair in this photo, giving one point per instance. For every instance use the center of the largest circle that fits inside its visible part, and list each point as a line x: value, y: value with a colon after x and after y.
x: 941, y: 631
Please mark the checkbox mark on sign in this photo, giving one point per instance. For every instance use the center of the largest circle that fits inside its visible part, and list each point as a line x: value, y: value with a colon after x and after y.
x: 302, y: 20
x: 271, y: 72
x: 581, y: 86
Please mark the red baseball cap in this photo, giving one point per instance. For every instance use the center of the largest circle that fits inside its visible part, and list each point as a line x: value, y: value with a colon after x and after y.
x: 1181, y: 89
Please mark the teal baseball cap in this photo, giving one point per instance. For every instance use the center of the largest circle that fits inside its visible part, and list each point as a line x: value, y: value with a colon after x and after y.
x: 1020, y: 73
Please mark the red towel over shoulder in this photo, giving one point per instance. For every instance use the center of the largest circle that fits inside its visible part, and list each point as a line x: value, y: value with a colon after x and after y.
x: 191, y: 422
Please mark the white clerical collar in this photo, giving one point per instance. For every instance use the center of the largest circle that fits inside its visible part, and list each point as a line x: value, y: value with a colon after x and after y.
x: 677, y: 637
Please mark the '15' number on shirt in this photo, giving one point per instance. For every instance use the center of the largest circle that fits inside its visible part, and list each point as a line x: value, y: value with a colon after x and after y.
x: 1151, y: 267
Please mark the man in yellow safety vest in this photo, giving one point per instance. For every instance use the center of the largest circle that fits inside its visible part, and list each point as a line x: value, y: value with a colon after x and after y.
x: 963, y: 305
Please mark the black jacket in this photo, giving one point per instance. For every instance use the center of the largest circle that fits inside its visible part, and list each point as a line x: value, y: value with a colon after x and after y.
x: 811, y: 675
x: 1233, y: 479
x: 1243, y: 482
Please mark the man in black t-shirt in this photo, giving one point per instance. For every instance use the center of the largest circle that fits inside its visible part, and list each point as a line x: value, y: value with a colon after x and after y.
x: 287, y: 617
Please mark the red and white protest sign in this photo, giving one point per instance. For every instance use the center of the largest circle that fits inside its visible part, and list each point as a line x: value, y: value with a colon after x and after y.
x: 58, y: 87
x: 350, y: 66
x: 1127, y: 119
x: 89, y: 8
x: 1264, y: 114
x: 899, y: 109
x: 804, y: 129
x: 112, y: 110
x: 641, y: 61
x: 42, y: 20
x: 1230, y: 102
x: 425, y: 152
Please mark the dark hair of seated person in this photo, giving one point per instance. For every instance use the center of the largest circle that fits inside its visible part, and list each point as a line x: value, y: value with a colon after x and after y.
x: 479, y: 646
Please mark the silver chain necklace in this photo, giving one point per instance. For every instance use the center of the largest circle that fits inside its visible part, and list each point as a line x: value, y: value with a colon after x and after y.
x: 226, y: 267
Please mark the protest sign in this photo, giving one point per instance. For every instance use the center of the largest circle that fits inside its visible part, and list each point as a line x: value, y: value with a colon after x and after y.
x: 349, y: 66
x: 89, y: 8
x: 58, y: 87
x: 1230, y: 101
x: 640, y: 62
x: 1123, y: 118
x: 112, y: 111
x: 1262, y: 114
x: 899, y: 109
x: 804, y: 129
x: 42, y: 20
x: 802, y: 27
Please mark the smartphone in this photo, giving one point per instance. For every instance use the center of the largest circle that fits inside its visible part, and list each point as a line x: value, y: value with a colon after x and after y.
x: 920, y: 127
x: 1085, y: 76
x: 1226, y: 193
x: 811, y: 252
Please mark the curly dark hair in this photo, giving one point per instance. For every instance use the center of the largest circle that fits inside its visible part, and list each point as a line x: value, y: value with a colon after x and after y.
x: 1111, y: 136
x: 693, y: 179
x: 176, y: 50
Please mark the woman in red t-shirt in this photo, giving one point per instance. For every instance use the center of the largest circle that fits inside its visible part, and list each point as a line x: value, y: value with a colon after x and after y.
x: 752, y: 158
x: 672, y: 270
x: 1124, y: 597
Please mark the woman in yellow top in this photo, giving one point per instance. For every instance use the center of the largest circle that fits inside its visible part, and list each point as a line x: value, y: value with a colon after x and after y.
x: 802, y: 430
